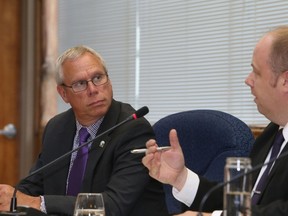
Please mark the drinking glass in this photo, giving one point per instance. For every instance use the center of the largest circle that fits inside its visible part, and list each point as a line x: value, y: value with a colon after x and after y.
x: 89, y: 204
x: 237, y: 192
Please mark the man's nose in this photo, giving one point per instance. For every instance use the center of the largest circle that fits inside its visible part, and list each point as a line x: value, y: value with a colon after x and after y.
x: 249, y: 80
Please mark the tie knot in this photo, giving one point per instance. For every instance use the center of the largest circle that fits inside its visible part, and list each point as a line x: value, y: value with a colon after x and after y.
x: 279, y: 138
x: 83, y: 135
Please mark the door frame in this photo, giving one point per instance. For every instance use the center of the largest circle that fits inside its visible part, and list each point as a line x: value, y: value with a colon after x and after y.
x: 27, y: 111
x: 38, y: 86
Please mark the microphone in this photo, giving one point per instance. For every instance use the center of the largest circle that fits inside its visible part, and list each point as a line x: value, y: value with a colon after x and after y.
x: 138, y: 114
x: 222, y: 184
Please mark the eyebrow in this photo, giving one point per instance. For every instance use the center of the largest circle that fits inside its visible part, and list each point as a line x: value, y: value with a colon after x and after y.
x: 94, y: 73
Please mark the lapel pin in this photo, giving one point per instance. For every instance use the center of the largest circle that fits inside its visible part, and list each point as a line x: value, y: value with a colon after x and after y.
x: 102, y: 143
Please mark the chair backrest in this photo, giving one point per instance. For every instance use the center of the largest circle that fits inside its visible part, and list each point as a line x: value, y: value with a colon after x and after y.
x: 207, y: 138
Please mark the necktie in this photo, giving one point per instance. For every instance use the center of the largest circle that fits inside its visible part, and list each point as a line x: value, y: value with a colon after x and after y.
x: 263, y: 180
x: 79, y: 165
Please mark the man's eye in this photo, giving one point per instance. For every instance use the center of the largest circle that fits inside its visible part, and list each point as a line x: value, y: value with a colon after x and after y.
x: 97, y: 78
x: 80, y: 83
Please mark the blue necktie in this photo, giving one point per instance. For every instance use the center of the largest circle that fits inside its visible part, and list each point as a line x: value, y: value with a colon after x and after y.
x: 79, y: 165
x: 279, y: 139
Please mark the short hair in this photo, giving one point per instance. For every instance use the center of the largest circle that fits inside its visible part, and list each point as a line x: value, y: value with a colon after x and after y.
x: 279, y: 50
x: 72, y: 54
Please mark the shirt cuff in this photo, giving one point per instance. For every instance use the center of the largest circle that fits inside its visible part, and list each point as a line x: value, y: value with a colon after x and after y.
x: 189, y: 190
x: 42, y: 205
x: 216, y: 213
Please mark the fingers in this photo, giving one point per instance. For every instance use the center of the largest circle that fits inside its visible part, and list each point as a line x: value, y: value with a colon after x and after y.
x: 151, y: 143
x: 146, y: 160
x: 6, y: 190
x: 152, y: 160
x: 6, y: 193
x: 151, y: 146
x: 155, y: 165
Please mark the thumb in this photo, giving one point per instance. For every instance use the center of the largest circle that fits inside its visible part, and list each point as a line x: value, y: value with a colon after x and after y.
x: 174, y: 141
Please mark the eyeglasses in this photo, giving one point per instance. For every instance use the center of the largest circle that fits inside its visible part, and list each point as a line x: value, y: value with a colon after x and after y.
x: 82, y: 85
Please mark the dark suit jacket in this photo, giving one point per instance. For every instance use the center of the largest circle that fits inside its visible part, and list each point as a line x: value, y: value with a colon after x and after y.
x: 111, y: 168
x: 274, y: 199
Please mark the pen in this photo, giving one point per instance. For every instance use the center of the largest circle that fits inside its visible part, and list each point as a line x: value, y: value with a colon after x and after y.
x: 139, y: 151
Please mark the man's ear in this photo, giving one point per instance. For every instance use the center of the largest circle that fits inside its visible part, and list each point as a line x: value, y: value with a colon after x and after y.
x: 62, y: 93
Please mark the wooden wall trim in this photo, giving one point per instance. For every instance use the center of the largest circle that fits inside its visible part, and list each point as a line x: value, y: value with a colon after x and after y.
x: 27, y: 86
x: 50, y: 53
x: 257, y: 130
x: 38, y: 93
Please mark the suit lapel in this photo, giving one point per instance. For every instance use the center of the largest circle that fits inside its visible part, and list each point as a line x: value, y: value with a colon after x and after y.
x: 63, y: 137
x: 277, y: 165
x: 95, y: 153
x: 262, y: 146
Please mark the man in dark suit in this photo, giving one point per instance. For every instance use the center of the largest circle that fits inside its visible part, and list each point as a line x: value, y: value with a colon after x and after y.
x: 269, y: 85
x: 127, y: 188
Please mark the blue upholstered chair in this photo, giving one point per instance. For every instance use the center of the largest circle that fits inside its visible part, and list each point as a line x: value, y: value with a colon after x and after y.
x: 207, y: 138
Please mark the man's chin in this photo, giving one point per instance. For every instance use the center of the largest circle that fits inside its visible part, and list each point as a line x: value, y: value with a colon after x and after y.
x: 98, y: 110
x: 260, y: 110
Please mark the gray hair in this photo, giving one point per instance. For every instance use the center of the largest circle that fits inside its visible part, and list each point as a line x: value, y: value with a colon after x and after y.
x: 74, y: 53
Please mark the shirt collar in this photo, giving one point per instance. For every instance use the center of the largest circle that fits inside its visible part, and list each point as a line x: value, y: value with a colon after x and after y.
x: 285, y: 132
x: 92, y: 129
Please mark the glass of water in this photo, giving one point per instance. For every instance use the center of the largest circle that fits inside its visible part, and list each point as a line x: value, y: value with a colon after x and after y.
x: 89, y: 204
x: 237, y: 192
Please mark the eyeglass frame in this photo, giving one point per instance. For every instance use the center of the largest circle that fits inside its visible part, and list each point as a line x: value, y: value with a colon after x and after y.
x: 72, y: 86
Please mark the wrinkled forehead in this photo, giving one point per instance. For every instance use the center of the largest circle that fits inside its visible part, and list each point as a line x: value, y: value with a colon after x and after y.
x: 82, y: 67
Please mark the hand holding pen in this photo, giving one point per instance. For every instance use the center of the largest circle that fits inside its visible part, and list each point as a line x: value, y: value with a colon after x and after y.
x: 166, y: 165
